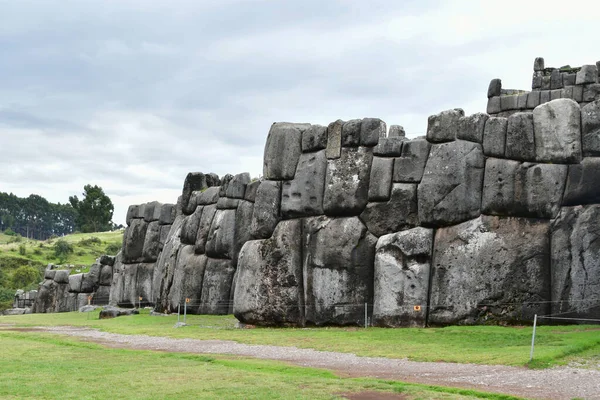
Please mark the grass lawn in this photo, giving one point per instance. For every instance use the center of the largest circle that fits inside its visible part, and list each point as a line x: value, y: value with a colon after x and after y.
x: 43, y: 366
x: 555, y: 345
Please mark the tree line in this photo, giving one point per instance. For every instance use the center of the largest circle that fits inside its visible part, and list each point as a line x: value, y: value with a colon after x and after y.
x: 35, y: 217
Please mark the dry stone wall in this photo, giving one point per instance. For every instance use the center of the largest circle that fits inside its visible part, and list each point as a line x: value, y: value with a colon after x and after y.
x: 489, y: 218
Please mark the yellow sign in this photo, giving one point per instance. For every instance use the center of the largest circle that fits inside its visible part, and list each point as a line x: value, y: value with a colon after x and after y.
x: 89, y: 297
x: 417, y: 308
x: 187, y: 300
x: 141, y: 298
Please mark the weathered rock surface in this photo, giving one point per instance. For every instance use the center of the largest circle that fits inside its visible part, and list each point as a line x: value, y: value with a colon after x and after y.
x: 371, y: 130
x: 450, y: 191
x: 314, y: 138
x: 389, y: 147
x: 194, y: 181
x: 334, y: 139
x: 351, y: 133
x: 494, y: 136
x: 490, y: 270
x: 338, y: 270
x: 216, y: 287
x: 519, y: 189
x: 399, y: 213
x: 220, y: 240
x: 557, y: 127
x: 380, y: 182
x: 303, y: 196
x: 401, y: 278
x: 133, y: 241
x: 266, y: 212
x: 471, y: 127
x: 237, y: 186
x: 152, y: 247
x: 347, y: 182
x: 208, y: 214
x: 575, y: 254
x: 269, y: 287
x: 443, y: 127
x: 583, y: 181
x: 282, y: 150
x: 410, y: 166
x: 187, y: 281
x: 243, y: 227
x: 113, y: 312
x: 520, y: 138
x: 191, y: 223
x: 590, y: 129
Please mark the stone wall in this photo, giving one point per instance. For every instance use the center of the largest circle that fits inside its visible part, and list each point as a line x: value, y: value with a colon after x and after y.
x: 62, y: 292
x: 580, y: 84
x: 489, y: 218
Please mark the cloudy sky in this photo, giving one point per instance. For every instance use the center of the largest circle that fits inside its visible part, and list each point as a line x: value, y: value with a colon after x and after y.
x: 133, y: 94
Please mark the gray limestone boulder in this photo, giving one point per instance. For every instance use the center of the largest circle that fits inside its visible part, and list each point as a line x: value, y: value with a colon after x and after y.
x: 167, y: 214
x: 495, y: 88
x: 398, y: 213
x: 49, y: 274
x: 450, y: 191
x: 187, y: 280
x: 334, y: 140
x: 519, y: 189
x: 132, y: 212
x: 338, y: 270
x: 152, y: 245
x: 114, y: 312
x: 212, y: 179
x: 401, y: 278
x: 371, y: 130
x: 494, y: 136
x: 191, y: 223
x: 590, y: 129
x: 75, y: 283
x: 380, y: 182
x: 116, y: 286
x: 389, y: 147
x: 226, y: 203
x: 471, y: 127
x: 575, y: 251
x: 194, y: 181
x: 303, y: 195
x: 106, y: 273
x: 557, y: 128
x: 266, y: 212
x: 351, y: 133
x: 251, y: 189
x: 208, y: 196
x: 520, y: 138
x: 206, y: 220
x: 237, y: 186
x: 129, y: 295
x: 151, y: 211
x: 396, y: 131
x: 587, y: 74
x: 269, y: 282
x: 490, y: 270
x: 94, y: 272
x: 164, y: 235
x: 282, y: 150
x: 314, y: 138
x: 409, y: 167
x: 164, y: 269
x: 144, y: 277
x: 443, y: 127
x: 243, y: 227
x: 61, y: 276
x: 89, y: 283
x: 133, y: 241
x: 107, y: 260
x: 46, y: 298
x: 216, y: 287
x: 347, y: 182
x: 224, y: 184
x: 220, y: 240
x: 583, y: 181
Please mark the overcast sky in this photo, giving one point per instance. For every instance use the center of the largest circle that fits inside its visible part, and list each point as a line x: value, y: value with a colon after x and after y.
x: 133, y: 95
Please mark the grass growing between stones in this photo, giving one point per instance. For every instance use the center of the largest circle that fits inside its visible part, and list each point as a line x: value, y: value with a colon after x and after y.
x: 41, y: 366
x: 555, y: 345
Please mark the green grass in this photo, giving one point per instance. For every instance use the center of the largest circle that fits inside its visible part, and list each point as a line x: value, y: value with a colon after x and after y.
x: 463, y: 344
x: 42, y: 252
x: 43, y: 366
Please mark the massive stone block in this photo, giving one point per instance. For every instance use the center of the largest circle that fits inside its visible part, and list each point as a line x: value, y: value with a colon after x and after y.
x: 557, y: 128
x: 490, y: 270
x: 216, y: 287
x: 106, y: 273
x: 338, y: 270
x: 144, y: 278
x: 314, y: 138
x: 208, y: 196
x: 334, y: 139
x: 164, y: 270
x: 520, y: 139
x: 237, y: 186
x: 167, y: 214
x: 443, y: 127
x: 347, y: 182
x: 152, y: 246
x: 243, y: 227
x: 251, y: 189
x: 220, y: 240
x: 410, y: 166
x: 282, y: 150
x: 303, y: 196
x: 133, y: 241
x: 380, y: 182
x: 471, y: 127
x: 75, y: 283
x: 351, y: 133
x: 204, y: 224
x: 512, y: 188
x: 187, y: 279
x: 450, y: 191
x: 189, y: 229
x: 371, y: 130
x: 389, y: 147
x: 399, y: 213
x: 583, y: 181
x: 575, y: 269
x: 590, y: 129
x: 494, y: 136
x: 269, y: 283
x: 401, y: 282
x: 132, y: 212
x: 266, y: 212
x: 194, y: 181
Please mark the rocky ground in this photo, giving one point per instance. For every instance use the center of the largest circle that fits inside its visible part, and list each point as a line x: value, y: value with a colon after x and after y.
x: 556, y: 383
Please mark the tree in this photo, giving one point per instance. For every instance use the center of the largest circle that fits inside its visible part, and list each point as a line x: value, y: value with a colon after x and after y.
x: 94, y: 211
x: 62, y: 249
x: 25, y: 276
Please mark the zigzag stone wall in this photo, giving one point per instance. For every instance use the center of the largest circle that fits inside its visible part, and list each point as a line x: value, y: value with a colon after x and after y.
x: 489, y: 218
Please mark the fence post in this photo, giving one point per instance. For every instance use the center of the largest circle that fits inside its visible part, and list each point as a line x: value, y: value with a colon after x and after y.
x: 185, y: 310
x: 178, y: 309
x: 366, y: 316
x: 533, y: 337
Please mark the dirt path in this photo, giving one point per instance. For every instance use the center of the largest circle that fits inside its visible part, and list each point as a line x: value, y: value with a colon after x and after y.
x: 554, y: 383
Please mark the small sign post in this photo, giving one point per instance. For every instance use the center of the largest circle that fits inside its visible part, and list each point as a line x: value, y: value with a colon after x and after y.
x: 187, y: 300
x: 417, y: 308
x: 89, y: 300
x: 140, y: 302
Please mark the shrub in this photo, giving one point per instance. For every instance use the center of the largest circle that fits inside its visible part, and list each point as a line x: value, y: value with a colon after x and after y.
x: 112, y: 249
x: 22, y: 249
x: 15, y: 239
x: 10, y: 232
x: 37, y: 252
x: 90, y: 241
x: 62, y: 250
x: 25, y: 276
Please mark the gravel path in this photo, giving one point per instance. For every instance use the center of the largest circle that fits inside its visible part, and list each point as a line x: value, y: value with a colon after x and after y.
x: 554, y: 383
